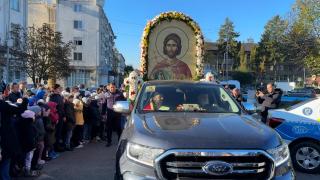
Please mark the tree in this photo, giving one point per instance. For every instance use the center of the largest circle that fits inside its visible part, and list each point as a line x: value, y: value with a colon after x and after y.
x: 243, y: 59
x: 308, y: 15
x: 45, y: 54
x: 227, y: 42
x: 271, y: 44
x: 128, y: 69
x: 303, y: 39
x: 245, y: 78
x: 253, y: 59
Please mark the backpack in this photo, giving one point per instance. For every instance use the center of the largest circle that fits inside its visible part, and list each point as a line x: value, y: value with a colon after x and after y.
x: 54, y: 116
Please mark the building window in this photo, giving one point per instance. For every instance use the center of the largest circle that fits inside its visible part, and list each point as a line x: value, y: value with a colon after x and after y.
x: 80, y: 76
x: 77, y: 24
x: 77, y: 7
x: 17, y: 73
x: 15, y: 5
x: 77, y: 56
x: 77, y: 41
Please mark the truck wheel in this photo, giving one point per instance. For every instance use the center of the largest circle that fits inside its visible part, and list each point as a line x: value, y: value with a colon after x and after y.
x: 306, y: 157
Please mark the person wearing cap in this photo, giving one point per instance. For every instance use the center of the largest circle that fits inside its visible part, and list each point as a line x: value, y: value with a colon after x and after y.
x: 10, y: 147
x: 28, y: 140
x: 40, y: 135
x: 31, y: 97
x: 78, y: 130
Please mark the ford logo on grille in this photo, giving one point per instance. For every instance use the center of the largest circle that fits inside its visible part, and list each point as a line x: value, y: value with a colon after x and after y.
x: 217, y: 168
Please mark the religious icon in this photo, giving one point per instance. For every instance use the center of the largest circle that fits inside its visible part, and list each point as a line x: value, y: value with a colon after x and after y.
x: 171, y: 67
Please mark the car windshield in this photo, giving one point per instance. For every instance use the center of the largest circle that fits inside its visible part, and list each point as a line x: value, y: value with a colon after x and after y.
x: 186, y: 98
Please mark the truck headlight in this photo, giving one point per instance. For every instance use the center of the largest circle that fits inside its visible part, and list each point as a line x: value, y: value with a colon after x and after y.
x: 280, y: 154
x: 143, y: 154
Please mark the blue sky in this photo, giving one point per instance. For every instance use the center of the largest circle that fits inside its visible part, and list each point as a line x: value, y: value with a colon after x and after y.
x: 128, y: 18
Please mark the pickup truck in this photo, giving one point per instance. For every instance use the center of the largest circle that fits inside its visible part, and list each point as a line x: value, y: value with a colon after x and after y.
x: 196, y: 130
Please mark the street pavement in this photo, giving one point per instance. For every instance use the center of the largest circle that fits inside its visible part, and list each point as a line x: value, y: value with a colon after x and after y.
x: 95, y: 162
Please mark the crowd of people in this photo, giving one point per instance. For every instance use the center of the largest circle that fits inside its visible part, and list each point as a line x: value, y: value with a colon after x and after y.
x: 39, y: 123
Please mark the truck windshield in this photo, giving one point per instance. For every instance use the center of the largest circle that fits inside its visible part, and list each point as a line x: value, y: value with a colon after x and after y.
x: 186, y: 98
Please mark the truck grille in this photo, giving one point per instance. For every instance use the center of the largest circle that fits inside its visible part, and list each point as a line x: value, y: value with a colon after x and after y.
x: 189, y: 164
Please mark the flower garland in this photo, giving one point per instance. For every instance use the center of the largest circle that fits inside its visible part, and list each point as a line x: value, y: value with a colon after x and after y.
x: 168, y: 16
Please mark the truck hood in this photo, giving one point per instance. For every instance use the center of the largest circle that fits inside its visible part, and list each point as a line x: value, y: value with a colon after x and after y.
x: 203, y: 130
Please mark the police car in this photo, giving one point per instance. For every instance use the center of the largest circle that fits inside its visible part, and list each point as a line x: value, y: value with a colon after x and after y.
x: 299, y: 126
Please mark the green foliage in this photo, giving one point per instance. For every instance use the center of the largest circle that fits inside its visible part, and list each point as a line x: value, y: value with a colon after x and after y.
x: 313, y: 63
x: 243, y: 60
x: 227, y: 41
x: 127, y: 70
x: 44, y: 53
x: 245, y: 78
x: 307, y: 14
x: 253, y: 61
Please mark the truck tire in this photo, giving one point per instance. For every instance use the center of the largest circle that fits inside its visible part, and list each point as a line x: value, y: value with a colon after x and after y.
x: 306, y: 157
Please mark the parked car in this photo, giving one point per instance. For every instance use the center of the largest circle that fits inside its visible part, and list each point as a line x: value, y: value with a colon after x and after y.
x: 299, y: 126
x: 196, y: 130
x: 303, y: 92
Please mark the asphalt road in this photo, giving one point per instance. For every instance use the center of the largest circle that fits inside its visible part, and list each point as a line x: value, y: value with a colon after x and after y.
x: 95, y: 162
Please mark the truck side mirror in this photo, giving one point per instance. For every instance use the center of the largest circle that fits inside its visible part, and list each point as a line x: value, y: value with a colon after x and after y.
x: 122, y: 107
x: 249, y: 107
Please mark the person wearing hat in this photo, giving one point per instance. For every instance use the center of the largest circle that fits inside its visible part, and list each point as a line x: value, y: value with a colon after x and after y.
x: 40, y: 135
x: 10, y: 145
x: 28, y: 140
x: 79, y: 120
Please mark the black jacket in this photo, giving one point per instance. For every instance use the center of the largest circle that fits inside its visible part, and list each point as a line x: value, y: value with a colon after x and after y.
x: 2, y: 86
x: 87, y: 114
x: 69, y: 112
x: 10, y: 114
x: 270, y: 100
x: 13, y: 97
x: 28, y: 134
x: 95, y: 113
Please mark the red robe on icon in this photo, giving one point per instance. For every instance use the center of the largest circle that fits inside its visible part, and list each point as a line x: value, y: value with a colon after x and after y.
x: 166, y: 71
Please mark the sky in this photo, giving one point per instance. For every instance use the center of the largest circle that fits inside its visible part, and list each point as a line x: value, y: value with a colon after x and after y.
x: 129, y: 17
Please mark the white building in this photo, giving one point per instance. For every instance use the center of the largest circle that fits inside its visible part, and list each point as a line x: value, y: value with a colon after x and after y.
x: 84, y: 22
x: 12, y: 13
x: 40, y: 12
x: 118, y: 67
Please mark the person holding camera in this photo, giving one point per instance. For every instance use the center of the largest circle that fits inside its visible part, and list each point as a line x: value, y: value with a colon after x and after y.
x: 269, y: 100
